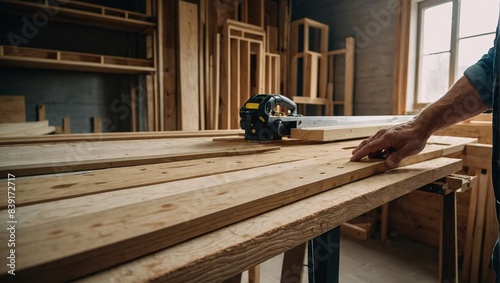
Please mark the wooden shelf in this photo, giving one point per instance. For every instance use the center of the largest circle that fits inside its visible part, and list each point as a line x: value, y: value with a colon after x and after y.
x: 84, y: 13
x: 63, y: 60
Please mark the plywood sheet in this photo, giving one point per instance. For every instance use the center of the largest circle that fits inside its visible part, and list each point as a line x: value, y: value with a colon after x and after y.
x: 12, y: 109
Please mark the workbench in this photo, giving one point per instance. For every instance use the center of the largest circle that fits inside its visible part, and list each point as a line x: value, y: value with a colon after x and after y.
x: 189, y: 207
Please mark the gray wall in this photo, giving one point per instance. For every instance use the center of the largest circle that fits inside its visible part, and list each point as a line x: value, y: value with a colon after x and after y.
x: 76, y: 95
x: 373, y: 24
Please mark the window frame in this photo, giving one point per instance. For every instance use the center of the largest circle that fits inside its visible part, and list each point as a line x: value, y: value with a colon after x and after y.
x: 421, y: 6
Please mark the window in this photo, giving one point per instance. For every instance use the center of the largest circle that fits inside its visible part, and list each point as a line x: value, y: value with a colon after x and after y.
x: 451, y: 35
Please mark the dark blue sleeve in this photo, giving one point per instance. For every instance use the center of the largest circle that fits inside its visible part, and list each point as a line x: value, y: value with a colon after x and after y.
x: 481, y: 76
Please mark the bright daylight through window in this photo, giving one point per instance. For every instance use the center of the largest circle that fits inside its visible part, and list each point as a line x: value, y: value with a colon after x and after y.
x: 446, y: 47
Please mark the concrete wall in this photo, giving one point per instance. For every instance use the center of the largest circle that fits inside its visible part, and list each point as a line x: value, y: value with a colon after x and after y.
x: 373, y: 24
x: 76, y: 95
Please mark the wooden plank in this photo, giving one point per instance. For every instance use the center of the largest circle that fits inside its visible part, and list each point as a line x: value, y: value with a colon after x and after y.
x: 256, y: 13
x: 188, y: 67
x: 309, y: 100
x: 118, y: 136
x: 217, y: 88
x: 150, y: 106
x: 482, y: 132
x: 293, y: 264
x: 308, y: 178
x: 225, y: 100
x: 479, y: 227
x: 40, y: 112
x: 160, y: 78
x: 20, y: 130
x: 263, y: 237
x: 383, y: 222
x: 245, y: 73
x: 272, y: 39
x: 57, y: 158
x: 64, y: 186
x: 355, y: 231
x: 235, y: 77
x: 349, y: 77
x: 336, y: 133
x: 12, y: 109
x: 490, y: 237
x: 96, y: 124
x: 401, y: 59
x: 254, y: 274
x: 171, y: 65
x: 448, y: 251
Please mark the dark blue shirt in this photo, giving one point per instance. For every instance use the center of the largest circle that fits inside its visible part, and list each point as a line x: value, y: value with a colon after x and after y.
x: 484, y: 75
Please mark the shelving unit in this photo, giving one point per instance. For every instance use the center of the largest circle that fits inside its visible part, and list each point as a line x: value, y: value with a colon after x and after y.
x: 86, y: 14
x: 63, y: 60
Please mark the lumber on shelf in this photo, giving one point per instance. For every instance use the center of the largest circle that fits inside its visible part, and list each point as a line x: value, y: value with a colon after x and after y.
x: 25, y: 129
x: 65, y: 60
x: 85, y: 13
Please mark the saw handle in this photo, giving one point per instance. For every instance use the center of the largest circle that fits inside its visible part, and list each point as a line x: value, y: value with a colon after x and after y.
x: 286, y: 102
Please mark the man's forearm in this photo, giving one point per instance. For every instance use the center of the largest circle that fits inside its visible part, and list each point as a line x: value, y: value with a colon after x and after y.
x: 459, y: 103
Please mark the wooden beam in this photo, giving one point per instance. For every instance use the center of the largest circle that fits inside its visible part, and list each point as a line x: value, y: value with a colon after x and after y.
x: 349, y: 77
x: 40, y: 112
x: 66, y: 127
x: 402, y: 44
x: 254, y: 274
x: 160, y: 78
x: 189, y: 104
x: 96, y: 124
x: 353, y: 230
x: 479, y: 231
x: 293, y: 264
x: 171, y: 64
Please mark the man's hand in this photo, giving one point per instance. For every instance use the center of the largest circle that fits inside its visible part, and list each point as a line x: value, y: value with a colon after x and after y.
x: 394, y: 143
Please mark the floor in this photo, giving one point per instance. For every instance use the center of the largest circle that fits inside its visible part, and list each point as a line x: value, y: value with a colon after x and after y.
x: 397, y: 260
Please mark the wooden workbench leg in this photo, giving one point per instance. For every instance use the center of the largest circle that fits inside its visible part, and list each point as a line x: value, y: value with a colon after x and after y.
x: 324, y: 257
x: 448, y: 264
x: 234, y: 279
x: 293, y: 264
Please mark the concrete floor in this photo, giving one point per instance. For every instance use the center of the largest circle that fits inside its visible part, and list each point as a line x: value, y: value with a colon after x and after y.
x: 397, y: 260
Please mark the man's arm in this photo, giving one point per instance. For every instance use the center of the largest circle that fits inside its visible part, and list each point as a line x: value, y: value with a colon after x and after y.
x: 459, y: 103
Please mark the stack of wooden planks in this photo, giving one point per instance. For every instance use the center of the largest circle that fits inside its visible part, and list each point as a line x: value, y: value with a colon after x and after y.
x: 116, y: 201
x: 13, y: 119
